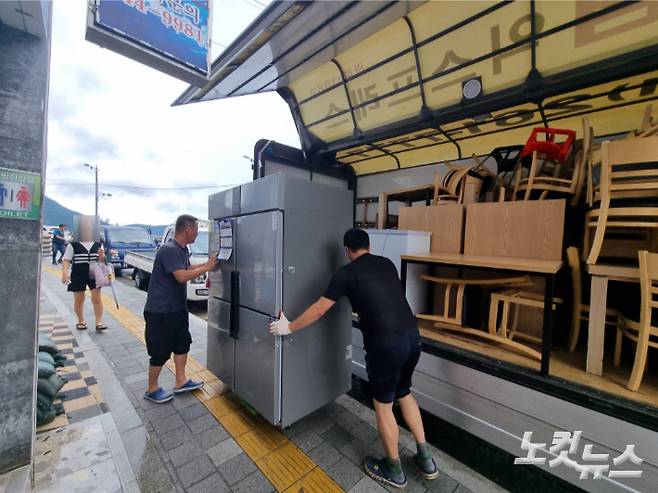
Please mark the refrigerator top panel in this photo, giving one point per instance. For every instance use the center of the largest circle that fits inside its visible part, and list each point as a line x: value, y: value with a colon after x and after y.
x: 398, y: 232
x: 224, y: 204
x: 289, y: 192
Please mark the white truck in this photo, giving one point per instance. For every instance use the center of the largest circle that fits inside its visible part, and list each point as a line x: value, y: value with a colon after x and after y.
x: 142, y: 264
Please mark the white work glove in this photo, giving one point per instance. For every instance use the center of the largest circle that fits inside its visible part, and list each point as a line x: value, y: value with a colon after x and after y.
x: 280, y: 327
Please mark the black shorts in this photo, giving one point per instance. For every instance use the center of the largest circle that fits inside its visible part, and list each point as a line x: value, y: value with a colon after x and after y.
x: 167, y: 333
x: 391, y: 366
x: 80, y: 284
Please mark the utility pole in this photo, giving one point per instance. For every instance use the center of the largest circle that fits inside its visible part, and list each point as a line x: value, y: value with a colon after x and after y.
x: 96, y: 175
x: 95, y: 168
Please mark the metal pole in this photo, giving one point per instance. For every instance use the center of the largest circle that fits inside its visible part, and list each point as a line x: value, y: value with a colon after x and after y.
x: 96, y: 170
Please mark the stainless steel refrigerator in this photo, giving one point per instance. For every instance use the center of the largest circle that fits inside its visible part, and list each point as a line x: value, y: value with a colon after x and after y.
x: 282, y: 235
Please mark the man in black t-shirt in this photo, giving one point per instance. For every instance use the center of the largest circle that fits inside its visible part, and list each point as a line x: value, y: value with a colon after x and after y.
x: 392, y: 344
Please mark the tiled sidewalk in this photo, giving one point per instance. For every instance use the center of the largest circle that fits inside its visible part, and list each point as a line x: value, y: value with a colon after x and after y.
x: 208, y: 443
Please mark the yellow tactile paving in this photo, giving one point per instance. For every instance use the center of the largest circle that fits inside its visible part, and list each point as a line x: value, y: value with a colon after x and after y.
x: 317, y: 481
x: 219, y: 406
x: 204, y: 374
x: 239, y: 422
x: 285, y: 466
x: 260, y: 441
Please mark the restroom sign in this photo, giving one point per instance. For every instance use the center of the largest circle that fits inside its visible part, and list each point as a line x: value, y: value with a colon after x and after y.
x: 20, y: 194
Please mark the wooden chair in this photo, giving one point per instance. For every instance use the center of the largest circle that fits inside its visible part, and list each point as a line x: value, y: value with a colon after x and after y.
x: 643, y: 333
x: 581, y: 310
x: 629, y: 172
x: 583, y: 163
x: 648, y: 128
x: 451, y: 318
x: 450, y: 188
x: 649, y: 125
x: 553, y: 168
x: 512, y: 300
x: 453, y: 295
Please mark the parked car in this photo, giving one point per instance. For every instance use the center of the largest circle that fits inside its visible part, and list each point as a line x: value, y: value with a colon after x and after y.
x: 196, y: 288
x: 119, y: 239
x: 142, y: 262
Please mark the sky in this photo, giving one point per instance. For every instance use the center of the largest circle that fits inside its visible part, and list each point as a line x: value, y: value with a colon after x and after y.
x: 114, y: 113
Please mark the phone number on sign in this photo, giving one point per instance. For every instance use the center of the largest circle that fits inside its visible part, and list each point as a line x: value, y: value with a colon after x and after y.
x: 178, y: 24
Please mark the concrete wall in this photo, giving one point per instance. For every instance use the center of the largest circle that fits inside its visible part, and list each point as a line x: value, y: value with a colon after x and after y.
x: 24, y: 71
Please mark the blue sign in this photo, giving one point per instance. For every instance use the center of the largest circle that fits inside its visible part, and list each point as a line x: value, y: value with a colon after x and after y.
x: 179, y: 29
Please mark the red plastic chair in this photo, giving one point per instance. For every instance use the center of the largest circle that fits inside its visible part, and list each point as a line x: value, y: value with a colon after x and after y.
x: 548, y: 147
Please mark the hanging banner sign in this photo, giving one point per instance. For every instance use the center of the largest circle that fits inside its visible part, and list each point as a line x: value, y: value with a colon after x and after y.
x: 20, y: 195
x: 172, y: 36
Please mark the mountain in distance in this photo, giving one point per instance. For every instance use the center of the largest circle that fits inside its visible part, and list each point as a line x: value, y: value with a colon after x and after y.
x: 55, y: 213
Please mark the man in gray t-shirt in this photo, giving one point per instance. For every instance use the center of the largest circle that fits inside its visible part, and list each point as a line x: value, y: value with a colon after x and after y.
x: 165, y: 312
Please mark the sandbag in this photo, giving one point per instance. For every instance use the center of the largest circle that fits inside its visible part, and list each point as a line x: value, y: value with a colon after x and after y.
x: 45, y: 410
x: 59, y: 359
x: 45, y: 415
x: 45, y: 340
x: 45, y: 369
x: 47, y: 357
x: 49, y: 386
x: 43, y: 400
x: 48, y: 346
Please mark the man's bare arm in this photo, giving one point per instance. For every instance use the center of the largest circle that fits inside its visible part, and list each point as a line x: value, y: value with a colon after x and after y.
x: 312, y: 314
x: 184, y: 275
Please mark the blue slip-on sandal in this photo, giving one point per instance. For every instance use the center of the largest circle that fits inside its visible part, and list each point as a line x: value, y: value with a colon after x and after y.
x: 427, y: 467
x: 379, y: 470
x: 188, y: 386
x: 159, y: 396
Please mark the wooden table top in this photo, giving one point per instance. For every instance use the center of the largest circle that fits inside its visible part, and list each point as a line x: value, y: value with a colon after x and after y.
x: 503, y: 263
x: 615, y: 272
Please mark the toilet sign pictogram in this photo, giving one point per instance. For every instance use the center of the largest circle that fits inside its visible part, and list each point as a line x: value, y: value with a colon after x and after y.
x: 20, y: 194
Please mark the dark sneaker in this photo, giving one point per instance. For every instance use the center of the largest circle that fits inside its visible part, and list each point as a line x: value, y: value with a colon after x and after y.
x: 427, y: 467
x: 187, y: 386
x: 159, y: 396
x: 379, y: 470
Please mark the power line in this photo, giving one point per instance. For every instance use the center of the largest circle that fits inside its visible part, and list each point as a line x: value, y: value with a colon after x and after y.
x: 239, y: 9
x: 136, y: 187
x: 256, y: 1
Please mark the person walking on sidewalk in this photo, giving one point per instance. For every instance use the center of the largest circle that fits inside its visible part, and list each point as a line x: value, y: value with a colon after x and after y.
x: 59, y: 243
x: 82, y: 259
x: 392, y: 343
x: 165, y: 313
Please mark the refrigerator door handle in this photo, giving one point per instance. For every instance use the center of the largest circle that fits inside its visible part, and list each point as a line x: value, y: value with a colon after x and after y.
x: 234, y: 323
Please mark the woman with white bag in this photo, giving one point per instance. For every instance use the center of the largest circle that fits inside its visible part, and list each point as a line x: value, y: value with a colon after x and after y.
x: 88, y: 269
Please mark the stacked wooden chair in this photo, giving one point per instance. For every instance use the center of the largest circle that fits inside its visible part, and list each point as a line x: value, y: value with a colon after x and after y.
x: 645, y: 331
x: 553, y: 169
x: 627, y: 196
x: 580, y: 310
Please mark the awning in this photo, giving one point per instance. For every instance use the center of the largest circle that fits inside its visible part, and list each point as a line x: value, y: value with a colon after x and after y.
x: 387, y: 85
